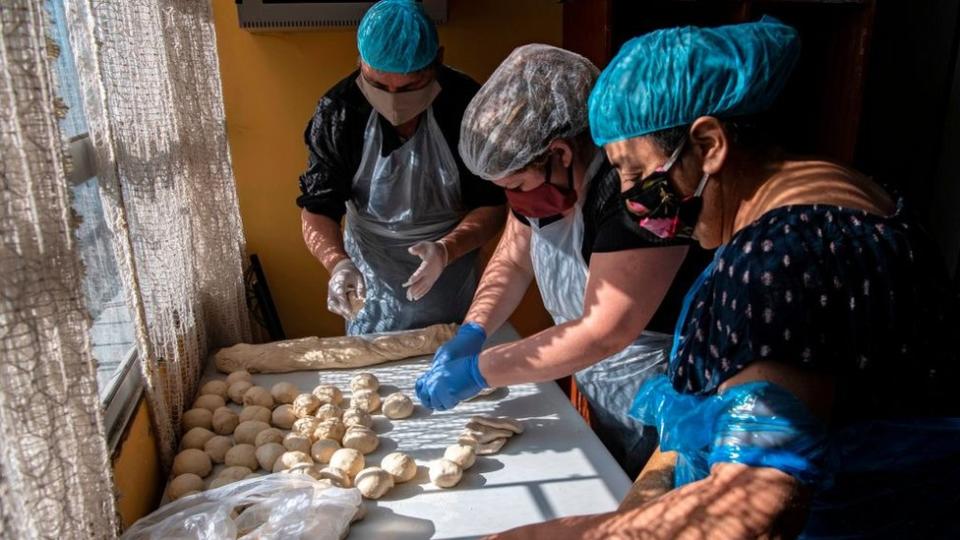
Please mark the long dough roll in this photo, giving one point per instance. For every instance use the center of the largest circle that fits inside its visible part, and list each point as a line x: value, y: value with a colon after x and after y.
x: 312, y: 353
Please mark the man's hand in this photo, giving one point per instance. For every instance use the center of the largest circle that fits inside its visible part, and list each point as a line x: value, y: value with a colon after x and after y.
x: 434, y: 257
x: 345, y: 281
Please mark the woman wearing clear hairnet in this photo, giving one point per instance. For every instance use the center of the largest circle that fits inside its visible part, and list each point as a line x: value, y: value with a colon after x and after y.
x: 382, y: 151
x: 527, y: 131
x: 811, y: 386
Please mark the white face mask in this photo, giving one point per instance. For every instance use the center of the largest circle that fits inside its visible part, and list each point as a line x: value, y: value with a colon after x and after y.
x: 400, y: 107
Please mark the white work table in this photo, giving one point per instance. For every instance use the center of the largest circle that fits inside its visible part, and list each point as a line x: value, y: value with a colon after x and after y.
x: 556, y: 468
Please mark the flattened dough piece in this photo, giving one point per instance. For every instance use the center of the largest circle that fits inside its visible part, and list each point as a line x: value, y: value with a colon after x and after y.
x: 313, y: 353
x: 499, y: 422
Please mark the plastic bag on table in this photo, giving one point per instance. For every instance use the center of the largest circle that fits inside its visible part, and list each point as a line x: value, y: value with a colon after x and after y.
x: 273, y: 506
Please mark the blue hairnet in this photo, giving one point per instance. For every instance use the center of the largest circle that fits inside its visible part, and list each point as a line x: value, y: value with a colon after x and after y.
x: 669, y: 78
x: 396, y: 36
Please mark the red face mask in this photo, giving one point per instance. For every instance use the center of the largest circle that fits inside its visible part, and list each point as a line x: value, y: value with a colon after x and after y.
x: 544, y: 200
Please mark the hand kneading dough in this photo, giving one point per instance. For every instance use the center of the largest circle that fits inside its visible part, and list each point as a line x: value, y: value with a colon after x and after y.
x: 183, y: 484
x: 305, y: 405
x: 364, y: 381
x: 193, y: 461
x: 323, y: 450
x: 329, y: 410
x: 217, y: 448
x: 397, y: 405
x: 267, y: 455
x: 306, y: 426
x: 445, y: 473
x: 336, y: 476
x: 196, y: 438
x: 373, y: 482
x: 367, y: 400
x: 211, y: 402
x: 255, y: 412
x: 328, y: 394
x: 295, y: 442
x: 284, y: 392
x: 215, y: 387
x: 362, y: 439
x: 357, y: 417
x: 348, y: 459
x: 237, y: 390
x: 268, y: 436
x: 258, y: 395
x: 289, y: 459
x: 331, y: 428
x: 246, y: 432
x: 225, y: 421
x: 242, y: 455
x: 196, y: 418
x: 237, y: 376
x: 462, y: 455
x: 283, y: 417
x: 400, y: 466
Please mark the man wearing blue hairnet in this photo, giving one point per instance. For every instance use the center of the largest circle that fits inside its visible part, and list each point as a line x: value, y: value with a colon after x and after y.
x: 382, y: 152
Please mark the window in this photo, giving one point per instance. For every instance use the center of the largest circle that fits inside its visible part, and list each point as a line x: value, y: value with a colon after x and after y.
x: 112, y: 333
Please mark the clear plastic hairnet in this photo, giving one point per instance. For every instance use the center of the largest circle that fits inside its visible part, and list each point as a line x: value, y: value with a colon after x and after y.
x: 538, y: 94
x: 396, y: 36
x: 671, y: 77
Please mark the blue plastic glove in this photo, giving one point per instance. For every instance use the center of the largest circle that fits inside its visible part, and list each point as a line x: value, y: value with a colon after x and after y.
x: 455, y: 372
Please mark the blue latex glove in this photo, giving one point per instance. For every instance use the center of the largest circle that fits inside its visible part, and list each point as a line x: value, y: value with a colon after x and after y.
x: 455, y: 372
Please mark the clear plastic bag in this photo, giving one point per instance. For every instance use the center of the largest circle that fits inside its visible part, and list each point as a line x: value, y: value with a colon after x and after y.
x: 273, y: 506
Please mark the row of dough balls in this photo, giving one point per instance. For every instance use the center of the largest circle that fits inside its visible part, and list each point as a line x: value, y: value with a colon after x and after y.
x: 319, y: 426
x: 483, y: 435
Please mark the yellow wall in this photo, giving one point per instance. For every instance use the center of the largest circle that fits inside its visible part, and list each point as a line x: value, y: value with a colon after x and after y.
x: 136, y: 469
x: 271, y: 84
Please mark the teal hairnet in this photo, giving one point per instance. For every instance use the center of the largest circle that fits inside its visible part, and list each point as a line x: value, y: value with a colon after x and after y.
x: 669, y: 78
x: 537, y: 94
x: 396, y: 36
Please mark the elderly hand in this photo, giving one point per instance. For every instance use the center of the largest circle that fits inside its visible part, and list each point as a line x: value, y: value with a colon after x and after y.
x: 345, y: 281
x: 434, y: 257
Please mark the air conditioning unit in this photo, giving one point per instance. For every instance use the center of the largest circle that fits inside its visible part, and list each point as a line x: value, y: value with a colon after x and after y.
x: 299, y: 15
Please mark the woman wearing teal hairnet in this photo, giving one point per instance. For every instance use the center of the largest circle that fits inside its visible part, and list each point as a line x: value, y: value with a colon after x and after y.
x: 382, y: 152
x: 810, y: 388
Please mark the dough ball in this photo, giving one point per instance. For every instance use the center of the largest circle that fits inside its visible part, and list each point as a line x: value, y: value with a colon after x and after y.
x: 445, y: 473
x: 323, y: 450
x: 295, y: 442
x: 230, y: 475
x: 193, y: 461
x: 215, y: 387
x: 196, y: 418
x: 237, y: 390
x: 331, y: 428
x: 362, y: 439
x: 348, y: 459
x: 258, y: 395
x: 328, y: 394
x: 337, y: 476
x: 329, y: 410
x: 461, y: 454
x: 242, y: 455
x: 211, y: 402
x: 220, y: 482
x: 217, y: 448
x: 305, y: 405
x: 400, y: 466
x: 357, y: 417
x: 237, y: 376
x: 271, y: 435
x: 373, y: 482
x: 284, y: 392
x: 255, y: 412
x: 183, y: 484
x: 367, y: 400
x: 267, y: 455
x: 364, y: 381
x: 306, y: 469
x: 246, y: 432
x: 253, y: 475
x: 289, y: 459
x: 397, y: 405
x: 283, y: 417
x: 225, y: 421
x: 196, y: 438
x: 306, y: 426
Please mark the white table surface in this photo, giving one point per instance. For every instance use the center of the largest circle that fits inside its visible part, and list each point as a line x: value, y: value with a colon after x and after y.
x: 556, y: 468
